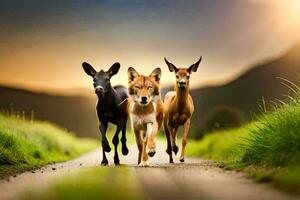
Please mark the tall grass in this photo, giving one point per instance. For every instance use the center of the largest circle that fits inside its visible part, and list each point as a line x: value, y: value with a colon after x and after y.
x: 275, y: 140
x: 268, y: 148
x: 24, y: 145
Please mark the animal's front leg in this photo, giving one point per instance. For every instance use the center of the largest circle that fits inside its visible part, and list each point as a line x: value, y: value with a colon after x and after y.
x: 103, y: 127
x: 104, y: 161
x: 174, y: 140
x: 105, y: 144
x: 168, y: 136
x: 144, y: 162
x: 186, y: 128
x: 116, y: 142
x: 123, y: 140
x: 139, y: 144
x: 152, y: 129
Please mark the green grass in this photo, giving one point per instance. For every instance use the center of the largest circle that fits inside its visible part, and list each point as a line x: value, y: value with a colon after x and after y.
x: 267, y: 149
x: 221, y: 146
x: 96, y: 183
x: 25, y: 145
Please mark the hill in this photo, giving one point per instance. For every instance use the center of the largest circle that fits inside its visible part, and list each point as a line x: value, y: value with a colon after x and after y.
x: 216, y: 107
x: 241, y: 97
x: 75, y: 113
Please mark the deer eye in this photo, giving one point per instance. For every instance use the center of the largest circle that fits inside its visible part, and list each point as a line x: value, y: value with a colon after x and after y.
x: 137, y: 87
x: 177, y: 76
x: 188, y: 76
x: 150, y: 88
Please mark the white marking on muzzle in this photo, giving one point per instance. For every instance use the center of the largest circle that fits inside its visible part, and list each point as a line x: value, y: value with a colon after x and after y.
x: 98, y: 87
x: 182, y: 80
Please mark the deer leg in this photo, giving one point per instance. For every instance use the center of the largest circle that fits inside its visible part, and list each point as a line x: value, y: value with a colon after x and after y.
x: 115, y: 141
x: 174, y: 140
x: 105, y: 144
x: 103, y: 127
x: 104, y: 161
x: 168, y: 136
x: 123, y: 140
x: 186, y: 128
x: 152, y: 130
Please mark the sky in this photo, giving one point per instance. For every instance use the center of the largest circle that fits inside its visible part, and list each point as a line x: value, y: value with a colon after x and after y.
x: 43, y: 43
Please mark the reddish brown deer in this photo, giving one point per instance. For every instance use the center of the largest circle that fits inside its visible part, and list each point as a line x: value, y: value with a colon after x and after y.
x: 178, y: 108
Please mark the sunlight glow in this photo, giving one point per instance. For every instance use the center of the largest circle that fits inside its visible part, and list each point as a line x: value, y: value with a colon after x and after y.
x: 291, y: 11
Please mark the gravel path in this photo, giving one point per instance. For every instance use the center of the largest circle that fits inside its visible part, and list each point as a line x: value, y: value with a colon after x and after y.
x: 194, y: 179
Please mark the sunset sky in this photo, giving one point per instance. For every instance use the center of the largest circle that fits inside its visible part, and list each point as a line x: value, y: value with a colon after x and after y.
x: 43, y: 43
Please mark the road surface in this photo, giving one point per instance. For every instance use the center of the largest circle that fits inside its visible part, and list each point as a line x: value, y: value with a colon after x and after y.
x: 194, y: 179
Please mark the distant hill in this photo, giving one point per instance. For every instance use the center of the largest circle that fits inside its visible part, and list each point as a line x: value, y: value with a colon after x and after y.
x: 237, y: 99
x: 244, y: 94
x: 75, y: 113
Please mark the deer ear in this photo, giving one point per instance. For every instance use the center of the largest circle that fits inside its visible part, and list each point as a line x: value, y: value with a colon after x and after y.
x: 89, y: 70
x: 172, y: 67
x: 156, y: 74
x: 113, y: 70
x: 194, y: 67
x: 132, y: 74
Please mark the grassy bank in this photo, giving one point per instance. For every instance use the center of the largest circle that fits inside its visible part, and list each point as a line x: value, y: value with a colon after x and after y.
x: 268, y: 149
x: 25, y: 145
x: 99, y: 183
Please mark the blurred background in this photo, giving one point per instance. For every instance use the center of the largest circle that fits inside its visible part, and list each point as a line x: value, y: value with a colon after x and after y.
x: 246, y: 45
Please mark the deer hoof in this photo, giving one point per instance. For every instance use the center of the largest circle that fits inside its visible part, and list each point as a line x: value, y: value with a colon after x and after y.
x: 182, y: 159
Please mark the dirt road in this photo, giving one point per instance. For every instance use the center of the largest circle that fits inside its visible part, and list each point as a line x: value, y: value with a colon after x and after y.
x: 195, y: 179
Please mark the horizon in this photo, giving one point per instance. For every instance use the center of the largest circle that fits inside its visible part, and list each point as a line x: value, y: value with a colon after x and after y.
x: 44, y: 44
x: 89, y: 91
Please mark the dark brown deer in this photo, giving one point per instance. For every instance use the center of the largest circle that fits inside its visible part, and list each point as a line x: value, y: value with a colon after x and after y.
x: 178, y: 108
x: 107, y: 108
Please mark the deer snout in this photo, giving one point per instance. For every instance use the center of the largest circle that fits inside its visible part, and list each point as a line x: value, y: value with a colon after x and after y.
x: 182, y: 83
x: 98, y: 89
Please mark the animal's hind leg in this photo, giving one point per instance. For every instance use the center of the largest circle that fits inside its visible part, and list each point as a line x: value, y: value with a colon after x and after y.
x: 123, y: 140
x: 116, y: 142
x: 186, y: 128
x: 169, y: 147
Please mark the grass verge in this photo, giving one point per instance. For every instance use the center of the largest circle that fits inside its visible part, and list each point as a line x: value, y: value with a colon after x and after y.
x: 96, y: 183
x: 25, y: 145
x: 268, y: 149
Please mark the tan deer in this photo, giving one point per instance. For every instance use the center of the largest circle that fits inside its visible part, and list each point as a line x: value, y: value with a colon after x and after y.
x: 178, y: 108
